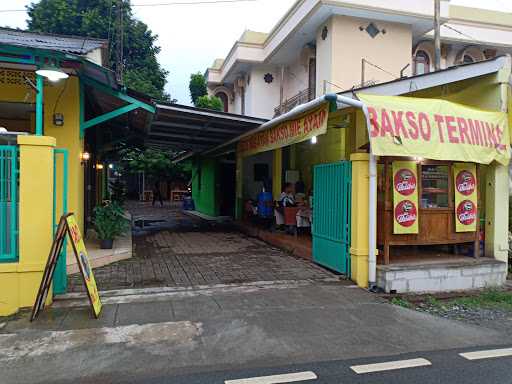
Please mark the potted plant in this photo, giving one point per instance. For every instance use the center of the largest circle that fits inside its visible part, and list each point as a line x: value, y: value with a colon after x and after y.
x: 109, y: 222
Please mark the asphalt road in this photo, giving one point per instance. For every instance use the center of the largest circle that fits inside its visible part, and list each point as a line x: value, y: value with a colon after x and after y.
x: 445, y: 367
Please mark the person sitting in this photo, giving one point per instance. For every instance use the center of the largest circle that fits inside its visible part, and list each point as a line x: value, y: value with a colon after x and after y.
x: 287, y: 197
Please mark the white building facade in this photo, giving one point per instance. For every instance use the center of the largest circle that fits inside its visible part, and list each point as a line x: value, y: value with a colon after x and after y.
x: 323, y: 46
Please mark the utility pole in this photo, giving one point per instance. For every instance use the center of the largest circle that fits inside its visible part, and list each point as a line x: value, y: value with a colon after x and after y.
x: 119, y: 42
x: 437, y: 34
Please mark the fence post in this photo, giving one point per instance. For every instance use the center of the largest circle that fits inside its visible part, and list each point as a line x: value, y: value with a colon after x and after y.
x: 20, y: 281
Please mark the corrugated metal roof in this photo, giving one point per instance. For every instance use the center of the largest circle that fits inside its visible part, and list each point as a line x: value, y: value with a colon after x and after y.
x: 68, y: 44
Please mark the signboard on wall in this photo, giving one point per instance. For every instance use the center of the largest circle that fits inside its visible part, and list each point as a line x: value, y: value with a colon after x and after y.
x: 287, y: 133
x: 436, y: 129
x: 466, y: 197
x: 67, y: 225
x: 405, y: 197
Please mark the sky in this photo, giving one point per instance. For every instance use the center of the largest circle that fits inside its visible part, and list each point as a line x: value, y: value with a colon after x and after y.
x: 192, y: 36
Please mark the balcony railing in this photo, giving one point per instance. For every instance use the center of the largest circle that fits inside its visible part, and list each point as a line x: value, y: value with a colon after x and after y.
x: 300, y: 98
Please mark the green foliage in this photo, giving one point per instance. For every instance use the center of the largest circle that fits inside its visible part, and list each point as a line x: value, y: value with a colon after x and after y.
x: 109, y: 221
x: 154, y: 163
x: 401, y: 302
x: 118, y: 191
x: 97, y: 19
x: 491, y: 298
x: 210, y: 102
x: 197, y: 87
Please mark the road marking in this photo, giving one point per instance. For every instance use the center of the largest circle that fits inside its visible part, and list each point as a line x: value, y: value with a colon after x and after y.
x: 489, y: 354
x: 390, y: 365
x: 276, y: 379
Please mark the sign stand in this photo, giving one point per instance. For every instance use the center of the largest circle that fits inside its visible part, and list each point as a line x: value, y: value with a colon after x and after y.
x: 67, y: 224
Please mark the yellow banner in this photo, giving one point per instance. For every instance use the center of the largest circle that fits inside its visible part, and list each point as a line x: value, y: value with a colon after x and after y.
x: 436, y: 129
x: 405, y: 197
x: 83, y: 262
x: 289, y: 132
x: 466, y: 197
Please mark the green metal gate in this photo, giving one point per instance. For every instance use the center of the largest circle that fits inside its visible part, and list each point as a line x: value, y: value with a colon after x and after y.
x: 60, y: 281
x: 331, y: 215
x: 8, y: 203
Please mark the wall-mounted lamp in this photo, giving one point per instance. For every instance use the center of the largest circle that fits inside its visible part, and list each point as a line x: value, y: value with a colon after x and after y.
x: 52, y: 73
x: 99, y: 166
x: 111, y: 166
x: 313, y: 140
x: 84, y: 157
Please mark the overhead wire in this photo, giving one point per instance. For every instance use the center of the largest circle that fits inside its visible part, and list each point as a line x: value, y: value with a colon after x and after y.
x: 163, y: 4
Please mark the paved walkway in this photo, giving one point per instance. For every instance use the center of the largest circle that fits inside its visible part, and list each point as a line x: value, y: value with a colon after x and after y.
x: 196, y: 254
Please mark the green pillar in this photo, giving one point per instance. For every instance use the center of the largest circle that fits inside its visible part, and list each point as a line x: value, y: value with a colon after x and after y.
x: 39, y: 105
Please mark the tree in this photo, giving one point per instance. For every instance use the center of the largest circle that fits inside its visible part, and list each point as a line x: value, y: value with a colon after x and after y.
x: 197, y: 87
x: 97, y: 19
x: 210, y: 102
x: 156, y: 164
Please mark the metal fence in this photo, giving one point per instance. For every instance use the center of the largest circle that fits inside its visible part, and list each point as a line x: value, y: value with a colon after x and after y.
x: 8, y: 203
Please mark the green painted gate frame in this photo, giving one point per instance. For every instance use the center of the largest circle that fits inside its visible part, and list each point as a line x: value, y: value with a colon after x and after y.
x: 60, y: 276
x: 331, y: 230
x: 13, y: 231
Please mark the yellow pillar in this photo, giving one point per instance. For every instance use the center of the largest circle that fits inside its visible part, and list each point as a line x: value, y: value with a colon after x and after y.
x: 19, y: 282
x: 359, y: 220
x: 277, y: 165
x: 496, y: 212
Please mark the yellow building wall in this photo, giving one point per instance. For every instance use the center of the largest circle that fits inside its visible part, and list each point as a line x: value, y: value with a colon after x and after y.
x: 64, y: 99
x: 19, y: 282
x: 61, y: 97
x: 329, y: 148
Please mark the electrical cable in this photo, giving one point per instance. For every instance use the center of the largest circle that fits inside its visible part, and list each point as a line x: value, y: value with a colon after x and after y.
x: 162, y: 4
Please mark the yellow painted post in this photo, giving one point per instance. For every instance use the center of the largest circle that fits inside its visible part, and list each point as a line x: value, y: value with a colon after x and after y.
x: 277, y: 165
x: 359, y: 220
x: 497, y: 188
x: 496, y: 212
x: 19, y: 282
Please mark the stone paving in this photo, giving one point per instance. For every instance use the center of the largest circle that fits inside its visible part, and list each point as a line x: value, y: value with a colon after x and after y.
x: 169, y: 258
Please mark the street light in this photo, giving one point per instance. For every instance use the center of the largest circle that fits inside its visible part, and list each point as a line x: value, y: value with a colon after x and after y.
x: 52, y: 73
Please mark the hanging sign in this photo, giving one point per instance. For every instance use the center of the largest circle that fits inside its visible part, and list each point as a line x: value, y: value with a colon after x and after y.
x: 405, y: 197
x: 436, y: 129
x: 67, y: 224
x: 287, y: 133
x: 466, y: 197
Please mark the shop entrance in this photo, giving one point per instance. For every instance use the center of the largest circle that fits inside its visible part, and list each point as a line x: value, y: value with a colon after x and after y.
x: 331, y: 215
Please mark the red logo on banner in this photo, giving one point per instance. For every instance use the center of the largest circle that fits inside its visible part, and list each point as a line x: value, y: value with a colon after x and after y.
x: 405, y: 182
x: 405, y: 213
x: 466, y: 212
x: 465, y: 183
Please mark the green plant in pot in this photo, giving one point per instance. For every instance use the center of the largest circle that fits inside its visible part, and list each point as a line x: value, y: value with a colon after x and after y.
x: 109, y: 222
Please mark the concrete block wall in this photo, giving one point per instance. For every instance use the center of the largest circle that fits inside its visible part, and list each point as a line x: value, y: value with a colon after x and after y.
x: 441, y: 277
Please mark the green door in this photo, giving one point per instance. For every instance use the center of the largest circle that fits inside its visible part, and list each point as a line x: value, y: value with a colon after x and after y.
x: 331, y: 215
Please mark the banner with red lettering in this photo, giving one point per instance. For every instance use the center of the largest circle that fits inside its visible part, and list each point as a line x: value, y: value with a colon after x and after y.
x: 436, y: 129
x: 289, y: 132
x: 405, y: 197
x: 466, y: 197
